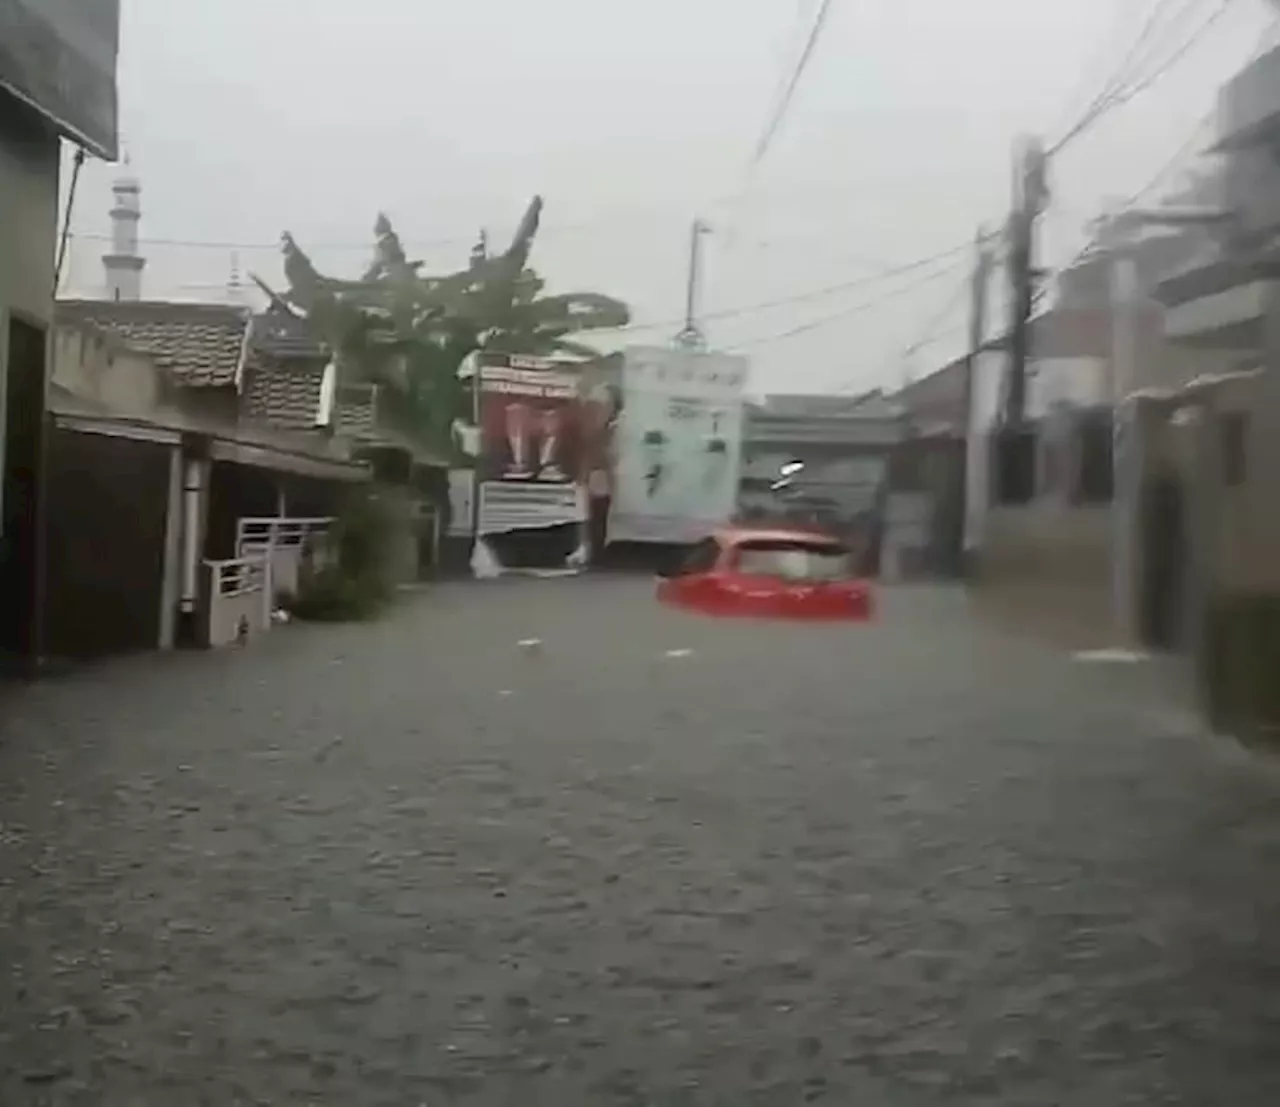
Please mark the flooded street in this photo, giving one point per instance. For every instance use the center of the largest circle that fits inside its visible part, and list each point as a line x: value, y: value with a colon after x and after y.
x: 543, y: 842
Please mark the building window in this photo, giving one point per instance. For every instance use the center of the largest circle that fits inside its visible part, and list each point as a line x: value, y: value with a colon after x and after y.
x: 1233, y: 431
x: 1014, y: 472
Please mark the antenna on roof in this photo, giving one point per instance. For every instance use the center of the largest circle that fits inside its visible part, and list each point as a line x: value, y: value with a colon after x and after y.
x: 278, y: 302
x: 235, y: 282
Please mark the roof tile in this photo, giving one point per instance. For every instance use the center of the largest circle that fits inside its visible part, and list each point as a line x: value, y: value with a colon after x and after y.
x: 286, y: 394
x: 200, y: 344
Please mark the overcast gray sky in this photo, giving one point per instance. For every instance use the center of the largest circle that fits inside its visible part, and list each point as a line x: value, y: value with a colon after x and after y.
x: 244, y: 118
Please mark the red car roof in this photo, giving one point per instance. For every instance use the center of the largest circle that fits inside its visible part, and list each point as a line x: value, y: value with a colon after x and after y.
x: 735, y: 536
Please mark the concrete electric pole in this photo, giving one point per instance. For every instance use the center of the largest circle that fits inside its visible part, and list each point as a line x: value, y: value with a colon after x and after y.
x: 1030, y: 191
x: 973, y: 465
x: 690, y: 335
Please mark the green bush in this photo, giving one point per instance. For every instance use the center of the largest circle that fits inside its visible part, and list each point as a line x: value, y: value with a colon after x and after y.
x: 353, y: 582
x: 1240, y: 665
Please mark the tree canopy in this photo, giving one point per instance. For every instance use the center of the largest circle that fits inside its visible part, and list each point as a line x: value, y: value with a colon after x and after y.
x: 408, y: 332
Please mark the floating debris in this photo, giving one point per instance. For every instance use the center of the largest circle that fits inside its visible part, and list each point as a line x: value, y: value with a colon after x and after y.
x: 1112, y: 655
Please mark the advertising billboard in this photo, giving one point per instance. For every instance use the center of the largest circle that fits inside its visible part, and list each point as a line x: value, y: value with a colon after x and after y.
x: 530, y: 448
x: 60, y: 57
x: 677, y: 444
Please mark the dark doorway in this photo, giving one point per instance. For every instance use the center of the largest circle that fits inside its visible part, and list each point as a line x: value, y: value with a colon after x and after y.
x: 237, y: 492
x: 107, y: 510
x: 20, y: 546
x: 1164, y: 562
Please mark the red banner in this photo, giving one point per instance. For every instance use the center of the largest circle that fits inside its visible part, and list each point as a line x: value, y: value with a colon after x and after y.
x: 530, y: 426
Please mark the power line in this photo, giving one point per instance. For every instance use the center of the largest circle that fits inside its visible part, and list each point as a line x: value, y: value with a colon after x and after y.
x: 930, y: 334
x: 1266, y: 41
x: 1095, y: 71
x: 1120, y: 74
x: 1122, y: 88
x: 883, y: 274
x: 1173, y: 59
x: 366, y: 247
x: 846, y: 313
x: 774, y: 125
x: 813, y: 294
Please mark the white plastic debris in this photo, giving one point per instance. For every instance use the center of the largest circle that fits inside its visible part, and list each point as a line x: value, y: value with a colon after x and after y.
x: 1110, y: 656
x: 530, y: 645
x: 484, y: 564
x: 683, y: 652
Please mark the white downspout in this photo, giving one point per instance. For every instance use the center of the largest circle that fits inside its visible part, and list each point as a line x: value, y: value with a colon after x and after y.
x: 1126, y: 459
x: 193, y: 486
x: 170, y: 587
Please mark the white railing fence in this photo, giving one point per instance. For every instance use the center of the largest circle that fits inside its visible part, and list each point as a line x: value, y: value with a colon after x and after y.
x: 285, y: 544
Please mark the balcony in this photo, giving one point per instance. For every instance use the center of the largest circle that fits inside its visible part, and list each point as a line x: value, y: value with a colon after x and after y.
x: 1249, y: 105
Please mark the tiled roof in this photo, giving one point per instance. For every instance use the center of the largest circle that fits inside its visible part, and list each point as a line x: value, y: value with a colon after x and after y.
x: 356, y: 419
x: 285, y: 393
x: 356, y: 410
x: 278, y: 333
x: 200, y: 344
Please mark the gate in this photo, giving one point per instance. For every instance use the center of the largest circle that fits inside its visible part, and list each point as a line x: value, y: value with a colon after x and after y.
x: 1164, y: 562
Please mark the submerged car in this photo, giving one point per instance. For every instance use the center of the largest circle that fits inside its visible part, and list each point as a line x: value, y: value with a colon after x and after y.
x: 773, y: 573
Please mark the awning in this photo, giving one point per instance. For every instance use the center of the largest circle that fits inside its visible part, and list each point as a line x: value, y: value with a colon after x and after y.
x: 257, y: 446
x: 263, y: 456
x: 114, y: 428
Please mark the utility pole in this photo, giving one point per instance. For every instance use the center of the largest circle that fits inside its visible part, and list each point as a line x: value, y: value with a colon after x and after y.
x: 982, y: 264
x: 1125, y: 293
x: 1029, y: 195
x: 690, y: 335
x: 973, y: 492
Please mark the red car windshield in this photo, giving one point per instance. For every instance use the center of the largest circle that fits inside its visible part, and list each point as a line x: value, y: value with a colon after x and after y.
x: 796, y: 560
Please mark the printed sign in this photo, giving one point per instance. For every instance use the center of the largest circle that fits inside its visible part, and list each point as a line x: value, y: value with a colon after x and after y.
x: 677, y: 444
x: 529, y: 444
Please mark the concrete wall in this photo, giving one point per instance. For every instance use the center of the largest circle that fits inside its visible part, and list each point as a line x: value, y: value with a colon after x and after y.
x: 29, y: 153
x: 227, y: 614
x: 90, y: 364
x: 1249, y: 104
x: 1236, y: 538
x: 1053, y: 561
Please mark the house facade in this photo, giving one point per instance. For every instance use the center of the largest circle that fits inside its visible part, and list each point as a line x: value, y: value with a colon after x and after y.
x: 1216, y: 439
x: 204, y: 428
x: 36, y: 112
x: 1050, y: 539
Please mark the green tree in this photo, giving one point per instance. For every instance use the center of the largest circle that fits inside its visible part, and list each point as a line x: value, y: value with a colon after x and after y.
x: 409, y: 333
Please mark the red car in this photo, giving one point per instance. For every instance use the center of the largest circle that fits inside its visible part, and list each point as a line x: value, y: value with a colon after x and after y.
x: 777, y: 573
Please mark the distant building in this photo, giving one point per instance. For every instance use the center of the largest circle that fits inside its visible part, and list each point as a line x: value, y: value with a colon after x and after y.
x: 124, y: 265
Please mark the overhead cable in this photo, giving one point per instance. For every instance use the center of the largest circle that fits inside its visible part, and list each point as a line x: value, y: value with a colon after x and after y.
x: 846, y: 313
x: 774, y: 124
x: 813, y: 294
x: 1124, y: 89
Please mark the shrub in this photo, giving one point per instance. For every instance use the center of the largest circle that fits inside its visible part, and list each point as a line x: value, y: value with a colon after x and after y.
x: 353, y: 580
